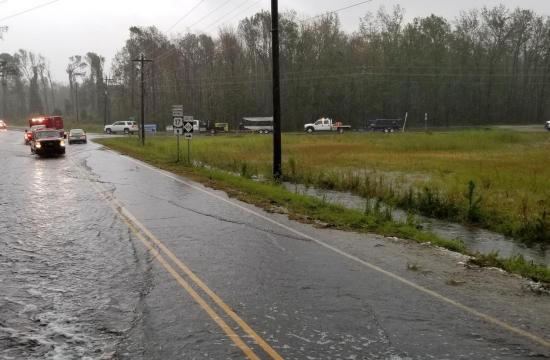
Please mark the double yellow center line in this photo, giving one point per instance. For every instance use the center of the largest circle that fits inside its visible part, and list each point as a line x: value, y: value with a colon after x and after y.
x: 158, y: 250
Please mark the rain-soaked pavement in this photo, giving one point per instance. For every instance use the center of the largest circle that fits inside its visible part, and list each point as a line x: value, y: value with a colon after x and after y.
x: 225, y: 280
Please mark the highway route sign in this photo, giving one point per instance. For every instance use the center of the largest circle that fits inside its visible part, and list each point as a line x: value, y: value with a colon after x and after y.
x: 178, y: 122
x: 188, y: 127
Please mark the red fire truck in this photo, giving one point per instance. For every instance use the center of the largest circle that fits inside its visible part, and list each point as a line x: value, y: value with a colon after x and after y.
x: 48, y: 122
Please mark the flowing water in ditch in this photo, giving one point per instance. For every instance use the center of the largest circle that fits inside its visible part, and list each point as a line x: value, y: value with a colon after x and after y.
x: 476, y: 240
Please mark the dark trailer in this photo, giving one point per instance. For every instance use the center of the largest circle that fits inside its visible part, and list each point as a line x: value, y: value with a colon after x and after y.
x: 385, y: 125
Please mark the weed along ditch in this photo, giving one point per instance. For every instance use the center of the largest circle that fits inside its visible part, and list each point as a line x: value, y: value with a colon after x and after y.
x: 480, y: 192
x: 476, y: 240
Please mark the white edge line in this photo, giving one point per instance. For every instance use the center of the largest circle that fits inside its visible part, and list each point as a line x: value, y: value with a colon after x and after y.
x: 420, y: 288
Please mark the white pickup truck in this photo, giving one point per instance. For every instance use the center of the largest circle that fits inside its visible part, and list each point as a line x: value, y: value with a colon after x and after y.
x: 326, y: 124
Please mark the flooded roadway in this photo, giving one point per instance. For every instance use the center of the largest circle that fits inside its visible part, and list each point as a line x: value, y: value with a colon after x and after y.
x: 77, y: 281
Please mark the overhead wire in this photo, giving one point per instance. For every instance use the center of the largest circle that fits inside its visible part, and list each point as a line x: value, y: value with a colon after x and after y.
x: 335, y: 11
x: 186, y: 15
x: 171, y: 50
x: 28, y: 10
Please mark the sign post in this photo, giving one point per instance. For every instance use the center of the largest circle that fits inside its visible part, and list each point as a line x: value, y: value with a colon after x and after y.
x: 188, y: 133
x: 177, y: 117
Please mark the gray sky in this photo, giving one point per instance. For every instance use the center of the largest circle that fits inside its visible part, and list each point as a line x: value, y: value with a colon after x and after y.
x: 69, y: 27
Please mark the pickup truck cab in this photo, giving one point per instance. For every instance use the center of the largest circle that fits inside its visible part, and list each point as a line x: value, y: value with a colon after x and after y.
x: 326, y: 124
x: 47, y: 142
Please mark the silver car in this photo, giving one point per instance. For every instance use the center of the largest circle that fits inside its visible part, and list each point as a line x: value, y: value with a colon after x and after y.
x: 77, y: 136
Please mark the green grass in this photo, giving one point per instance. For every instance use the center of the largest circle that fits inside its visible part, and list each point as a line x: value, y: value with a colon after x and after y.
x: 234, y: 179
x: 494, y: 179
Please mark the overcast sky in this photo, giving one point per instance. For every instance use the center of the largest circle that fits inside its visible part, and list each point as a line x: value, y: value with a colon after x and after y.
x: 68, y: 27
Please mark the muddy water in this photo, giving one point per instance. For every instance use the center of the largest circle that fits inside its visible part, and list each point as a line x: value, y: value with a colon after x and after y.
x: 480, y: 240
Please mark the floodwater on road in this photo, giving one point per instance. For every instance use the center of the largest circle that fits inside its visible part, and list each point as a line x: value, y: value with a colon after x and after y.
x: 476, y: 240
x: 68, y: 274
x: 104, y: 257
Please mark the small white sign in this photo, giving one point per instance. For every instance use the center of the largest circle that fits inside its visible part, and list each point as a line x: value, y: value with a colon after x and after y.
x: 188, y: 136
x: 178, y: 122
x: 177, y: 110
x: 178, y: 131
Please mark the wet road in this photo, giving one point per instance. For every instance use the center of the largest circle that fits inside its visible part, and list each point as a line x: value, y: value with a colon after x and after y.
x: 102, y: 257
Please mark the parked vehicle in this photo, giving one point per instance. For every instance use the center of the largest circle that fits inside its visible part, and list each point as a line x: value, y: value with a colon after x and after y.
x: 199, y: 126
x: 126, y: 127
x: 214, y: 128
x: 3, y: 125
x: 547, y: 126
x: 261, y: 125
x: 77, y: 136
x: 47, y: 142
x: 29, y: 133
x: 326, y: 124
x: 385, y: 125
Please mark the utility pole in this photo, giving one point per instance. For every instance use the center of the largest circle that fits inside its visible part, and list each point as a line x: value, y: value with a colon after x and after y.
x: 4, y: 80
x: 426, y: 122
x: 76, y: 94
x: 277, y: 168
x: 142, y: 61
x: 106, y: 99
x: 76, y: 105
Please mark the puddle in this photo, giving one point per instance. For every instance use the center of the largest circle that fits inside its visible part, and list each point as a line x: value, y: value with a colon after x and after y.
x: 477, y: 240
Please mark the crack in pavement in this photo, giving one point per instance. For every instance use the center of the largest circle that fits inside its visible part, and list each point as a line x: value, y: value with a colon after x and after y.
x: 219, y: 218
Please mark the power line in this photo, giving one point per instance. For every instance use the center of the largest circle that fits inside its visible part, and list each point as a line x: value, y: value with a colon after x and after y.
x: 28, y: 10
x: 231, y: 12
x: 336, y: 11
x: 171, y: 50
x: 210, y: 13
x: 185, y: 16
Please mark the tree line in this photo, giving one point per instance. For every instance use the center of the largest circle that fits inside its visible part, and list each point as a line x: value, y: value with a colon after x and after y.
x: 28, y: 88
x: 487, y: 66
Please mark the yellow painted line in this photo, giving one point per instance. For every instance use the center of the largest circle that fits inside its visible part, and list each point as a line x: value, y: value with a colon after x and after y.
x: 184, y: 284
x: 132, y: 223
x: 226, y: 308
x: 117, y: 208
x: 489, y: 319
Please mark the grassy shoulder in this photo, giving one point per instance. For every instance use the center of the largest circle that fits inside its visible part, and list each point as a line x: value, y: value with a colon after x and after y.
x: 494, y: 179
x: 273, y: 197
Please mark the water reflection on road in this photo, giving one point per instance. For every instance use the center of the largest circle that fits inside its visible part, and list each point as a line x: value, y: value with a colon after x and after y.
x: 62, y: 296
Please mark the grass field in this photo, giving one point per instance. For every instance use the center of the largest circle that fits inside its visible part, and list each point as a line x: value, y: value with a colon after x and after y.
x: 495, y: 179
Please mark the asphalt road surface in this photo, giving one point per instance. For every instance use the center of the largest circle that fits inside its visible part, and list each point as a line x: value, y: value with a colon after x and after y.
x: 104, y: 257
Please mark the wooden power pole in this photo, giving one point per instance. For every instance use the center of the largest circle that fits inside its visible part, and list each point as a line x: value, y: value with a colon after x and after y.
x: 142, y: 62
x: 106, y: 99
x: 277, y: 167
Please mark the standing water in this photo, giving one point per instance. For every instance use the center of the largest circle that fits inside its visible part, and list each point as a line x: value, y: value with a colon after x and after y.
x: 476, y: 240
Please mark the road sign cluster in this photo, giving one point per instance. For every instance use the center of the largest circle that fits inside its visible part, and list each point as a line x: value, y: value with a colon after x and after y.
x: 182, y: 124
